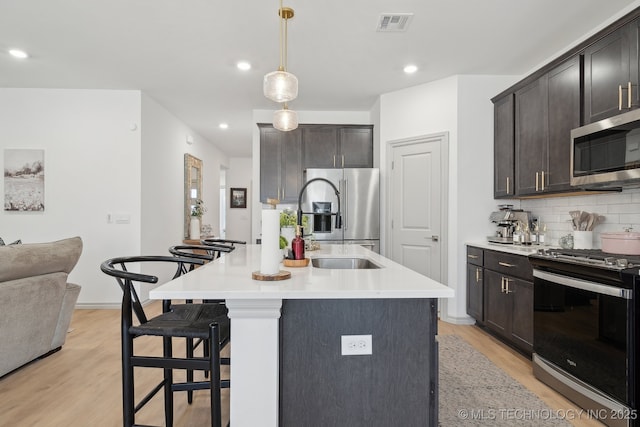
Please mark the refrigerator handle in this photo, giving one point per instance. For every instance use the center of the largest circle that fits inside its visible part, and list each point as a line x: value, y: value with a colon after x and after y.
x: 345, y: 216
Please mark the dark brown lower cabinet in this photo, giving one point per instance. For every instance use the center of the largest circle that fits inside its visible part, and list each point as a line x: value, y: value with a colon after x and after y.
x: 500, y: 295
x: 508, y: 308
x: 475, y: 292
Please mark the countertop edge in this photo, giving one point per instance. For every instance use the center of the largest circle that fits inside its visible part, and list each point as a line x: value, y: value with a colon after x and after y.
x: 507, y: 248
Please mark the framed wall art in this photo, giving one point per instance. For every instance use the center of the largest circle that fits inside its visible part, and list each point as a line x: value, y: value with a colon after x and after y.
x: 238, y: 198
x: 23, y: 180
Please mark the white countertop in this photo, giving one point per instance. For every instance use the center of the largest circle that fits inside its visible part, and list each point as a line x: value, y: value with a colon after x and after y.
x: 523, y: 250
x: 229, y: 277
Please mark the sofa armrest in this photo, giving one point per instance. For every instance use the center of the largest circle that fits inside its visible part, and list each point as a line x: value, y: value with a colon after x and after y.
x: 66, y: 312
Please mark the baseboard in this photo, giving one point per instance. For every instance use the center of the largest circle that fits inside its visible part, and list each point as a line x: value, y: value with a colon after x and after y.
x: 98, y: 306
x: 458, y: 320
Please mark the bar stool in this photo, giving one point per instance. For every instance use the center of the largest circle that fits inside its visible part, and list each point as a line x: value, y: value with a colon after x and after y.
x: 207, y: 322
x: 203, y: 252
x: 213, y: 242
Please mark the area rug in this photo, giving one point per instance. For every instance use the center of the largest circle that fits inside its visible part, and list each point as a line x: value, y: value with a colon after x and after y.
x: 475, y: 392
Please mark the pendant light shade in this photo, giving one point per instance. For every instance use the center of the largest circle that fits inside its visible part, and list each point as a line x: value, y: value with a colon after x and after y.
x: 280, y: 86
x: 285, y: 119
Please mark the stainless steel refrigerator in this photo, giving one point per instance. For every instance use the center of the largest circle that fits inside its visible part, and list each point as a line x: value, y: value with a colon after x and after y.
x: 359, y: 190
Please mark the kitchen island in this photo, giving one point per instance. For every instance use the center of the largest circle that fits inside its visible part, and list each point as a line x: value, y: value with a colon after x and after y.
x: 287, y: 366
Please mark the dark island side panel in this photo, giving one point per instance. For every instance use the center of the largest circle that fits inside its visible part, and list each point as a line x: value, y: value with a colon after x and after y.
x: 396, y: 385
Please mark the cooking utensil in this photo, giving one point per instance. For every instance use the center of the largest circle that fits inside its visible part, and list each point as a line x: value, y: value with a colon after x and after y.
x: 590, y: 221
x: 575, y: 217
x: 582, y: 221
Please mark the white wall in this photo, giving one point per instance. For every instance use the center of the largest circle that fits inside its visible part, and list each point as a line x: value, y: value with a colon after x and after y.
x: 106, y: 151
x: 92, y: 167
x: 164, y: 144
x: 474, y: 179
x: 461, y: 106
x: 239, y: 220
x: 306, y: 117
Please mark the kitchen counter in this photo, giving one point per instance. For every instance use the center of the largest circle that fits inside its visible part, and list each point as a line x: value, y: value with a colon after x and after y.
x: 274, y: 322
x: 391, y: 281
x: 524, y: 250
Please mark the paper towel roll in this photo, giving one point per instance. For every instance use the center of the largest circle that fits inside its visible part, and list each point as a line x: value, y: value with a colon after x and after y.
x: 270, y: 253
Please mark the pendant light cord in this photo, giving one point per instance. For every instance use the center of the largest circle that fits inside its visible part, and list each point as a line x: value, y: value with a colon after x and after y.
x: 286, y: 37
x: 280, y: 14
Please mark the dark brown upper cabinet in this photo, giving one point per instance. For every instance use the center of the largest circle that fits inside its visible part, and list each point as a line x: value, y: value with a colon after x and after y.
x: 546, y: 111
x: 611, y: 74
x: 533, y: 119
x: 280, y: 164
x: 503, y: 141
x: 338, y: 146
x: 285, y: 155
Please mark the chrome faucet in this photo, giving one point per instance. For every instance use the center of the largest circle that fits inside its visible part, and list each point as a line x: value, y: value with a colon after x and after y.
x: 304, y: 187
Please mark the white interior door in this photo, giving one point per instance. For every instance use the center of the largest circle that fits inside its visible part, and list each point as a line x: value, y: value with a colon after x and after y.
x: 416, y: 199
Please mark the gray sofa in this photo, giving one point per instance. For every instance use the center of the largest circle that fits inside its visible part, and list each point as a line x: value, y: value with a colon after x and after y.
x: 36, y: 302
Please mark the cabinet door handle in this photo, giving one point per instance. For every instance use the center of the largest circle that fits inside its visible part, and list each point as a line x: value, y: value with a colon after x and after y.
x: 472, y: 256
x: 629, y: 95
x: 619, y: 97
x: 477, y: 275
x: 343, y: 154
x: 506, y: 264
x: 502, y: 285
x: 507, y: 185
x: 537, y: 176
x: 506, y: 286
x: 542, y: 180
x: 334, y: 160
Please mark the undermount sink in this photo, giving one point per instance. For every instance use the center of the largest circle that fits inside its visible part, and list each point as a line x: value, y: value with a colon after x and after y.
x: 344, y: 263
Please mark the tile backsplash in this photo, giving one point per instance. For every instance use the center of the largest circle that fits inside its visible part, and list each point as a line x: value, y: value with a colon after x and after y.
x: 620, y: 209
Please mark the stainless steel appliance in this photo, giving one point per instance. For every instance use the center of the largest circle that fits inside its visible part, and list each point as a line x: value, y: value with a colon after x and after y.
x: 359, y: 190
x: 585, y: 325
x: 607, y: 153
x: 506, y: 219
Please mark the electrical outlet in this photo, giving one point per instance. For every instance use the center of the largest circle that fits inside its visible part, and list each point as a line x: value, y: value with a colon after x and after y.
x: 356, y: 345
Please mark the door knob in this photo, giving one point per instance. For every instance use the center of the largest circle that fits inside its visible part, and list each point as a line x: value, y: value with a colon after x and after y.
x: 433, y: 238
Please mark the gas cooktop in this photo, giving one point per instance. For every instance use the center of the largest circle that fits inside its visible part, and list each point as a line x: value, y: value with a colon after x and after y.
x: 590, y: 257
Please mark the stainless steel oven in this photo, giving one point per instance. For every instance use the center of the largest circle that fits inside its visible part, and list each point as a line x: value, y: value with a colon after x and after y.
x: 584, y: 333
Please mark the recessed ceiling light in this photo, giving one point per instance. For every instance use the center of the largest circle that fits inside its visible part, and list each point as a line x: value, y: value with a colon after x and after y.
x: 223, y: 126
x: 243, y: 65
x: 17, y: 53
x: 410, y: 69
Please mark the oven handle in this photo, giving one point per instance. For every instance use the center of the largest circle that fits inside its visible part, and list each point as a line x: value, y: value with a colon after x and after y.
x: 583, y: 284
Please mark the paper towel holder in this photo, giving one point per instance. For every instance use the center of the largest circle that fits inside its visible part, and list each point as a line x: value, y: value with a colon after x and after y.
x: 280, y: 275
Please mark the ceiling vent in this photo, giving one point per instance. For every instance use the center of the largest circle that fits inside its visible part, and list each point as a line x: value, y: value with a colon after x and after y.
x: 394, y: 22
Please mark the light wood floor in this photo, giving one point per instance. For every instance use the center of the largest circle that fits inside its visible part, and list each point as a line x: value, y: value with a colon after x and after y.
x: 80, y: 385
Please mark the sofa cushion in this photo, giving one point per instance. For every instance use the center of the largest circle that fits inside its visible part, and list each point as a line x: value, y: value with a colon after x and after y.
x: 32, y: 259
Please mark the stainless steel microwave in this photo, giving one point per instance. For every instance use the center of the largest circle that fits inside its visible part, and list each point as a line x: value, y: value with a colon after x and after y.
x: 607, y: 153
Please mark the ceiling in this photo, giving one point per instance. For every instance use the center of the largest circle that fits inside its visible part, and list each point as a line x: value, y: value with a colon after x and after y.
x: 183, y: 53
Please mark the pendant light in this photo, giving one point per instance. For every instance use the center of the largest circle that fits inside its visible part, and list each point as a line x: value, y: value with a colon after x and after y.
x: 285, y: 119
x: 280, y: 85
